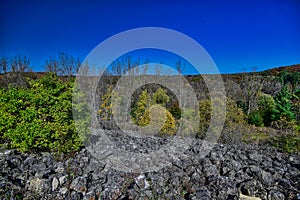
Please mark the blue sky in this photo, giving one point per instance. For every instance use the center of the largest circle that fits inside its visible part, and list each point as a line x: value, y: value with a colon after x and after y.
x: 238, y: 34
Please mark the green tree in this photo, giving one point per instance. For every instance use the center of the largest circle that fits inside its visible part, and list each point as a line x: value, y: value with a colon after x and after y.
x: 283, y: 105
x: 105, y: 110
x: 156, y: 114
x: 235, y: 117
x: 160, y: 97
x: 39, y: 117
x: 152, y: 110
x: 287, y: 78
x: 267, y: 107
x: 175, y: 110
x: 144, y: 101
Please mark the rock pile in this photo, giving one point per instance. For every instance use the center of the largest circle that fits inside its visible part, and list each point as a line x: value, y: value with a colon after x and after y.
x: 227, y: 172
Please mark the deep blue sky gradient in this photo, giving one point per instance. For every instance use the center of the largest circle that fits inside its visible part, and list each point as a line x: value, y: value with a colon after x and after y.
x: 238, y: 34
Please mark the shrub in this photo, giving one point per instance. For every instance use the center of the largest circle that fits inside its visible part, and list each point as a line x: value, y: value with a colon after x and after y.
x: 188, y: 122
x: 284, y: 125
x: 39, y: 117
x: 267, y: 108
x: 105, y: 110
x: 242, y: 105
x: 235, y: 118
x: 296, y: 109
x: 147, y: 108
x: 175, y: 110
x: 256, y: 118
x: 157, y: 113
x: 287, y: 143
x: 140, y: 107
x: 160, y: 97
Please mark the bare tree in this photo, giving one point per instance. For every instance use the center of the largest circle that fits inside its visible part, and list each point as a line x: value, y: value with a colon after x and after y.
x: 125, y: 65
x: 117, y: 68
x: 20, y: 64
x: 251, y: 86
x: 4, y: 64
x: 69, y: 65
x: 64, y: 64
x: 180, y: 66
x: 87, y: 70
x: 128, y: 64
x: 158, y: 69
x: 145, y: 67
x: 52, y: 65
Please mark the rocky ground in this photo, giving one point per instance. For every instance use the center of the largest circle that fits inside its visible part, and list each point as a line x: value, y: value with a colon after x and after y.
x: 227, y: 172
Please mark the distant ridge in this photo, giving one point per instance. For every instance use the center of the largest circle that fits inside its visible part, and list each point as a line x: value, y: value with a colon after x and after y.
x: 291, y: 68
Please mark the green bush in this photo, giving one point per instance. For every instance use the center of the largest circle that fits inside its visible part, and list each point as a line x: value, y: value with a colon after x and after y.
x: 175, y: 110
x: 284, y: 125
x: 267, y: 108
x: 138, y: 111
x: 142, y: 111
x: 160, y: 97
x: 39, y: 117
x: 157, y: 113
x: 234, y: 121
x: 296, y: 107
x: 188, y: 122
x: 105, y: 110
x: 288, y: 143
x: 256, y: 118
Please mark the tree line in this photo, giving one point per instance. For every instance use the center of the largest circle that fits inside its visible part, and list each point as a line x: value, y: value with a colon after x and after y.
x: 64, y: 64
x: 17, y: 69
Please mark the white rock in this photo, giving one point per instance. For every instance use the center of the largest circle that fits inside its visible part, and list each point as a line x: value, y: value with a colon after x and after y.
x: 63, y: 190
x: 62, y: 180
x: 55, y: 184
x: 244, y: 197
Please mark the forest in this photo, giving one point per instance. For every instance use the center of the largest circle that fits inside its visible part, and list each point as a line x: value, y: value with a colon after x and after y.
x: 36, y: 111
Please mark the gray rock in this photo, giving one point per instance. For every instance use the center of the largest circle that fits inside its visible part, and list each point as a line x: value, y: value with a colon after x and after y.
x: 79, y: 184
x: 90, y: 196
x: 59, y: 167
x: 76, y: 196
x: 266, y: 177
x: 30, y: 160
x: 275, y: 195
x: 40, y: 186
x: 284, y: 183
x: 210, y: 170
x: 95, y: 167
x: 64, y: 191
x: 225, y: 173
x: 39, y: 168
x: 203, y: 193
x: 251, y: 187
x: 255, y: 157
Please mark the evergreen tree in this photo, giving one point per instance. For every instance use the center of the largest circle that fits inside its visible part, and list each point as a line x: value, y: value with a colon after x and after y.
x: 283, y: 105
x: 160, y: 97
